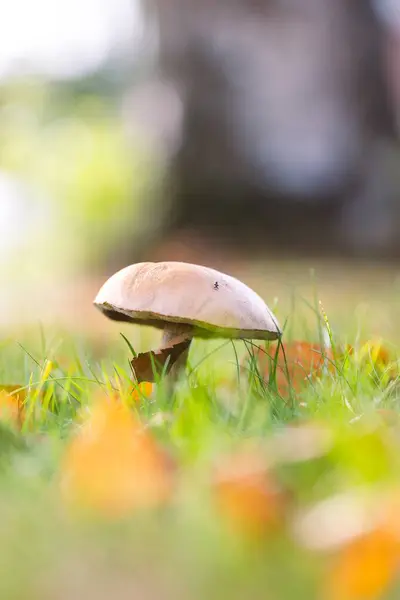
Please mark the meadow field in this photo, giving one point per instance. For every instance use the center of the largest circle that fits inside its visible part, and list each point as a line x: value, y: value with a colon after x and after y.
x: 256, y: 477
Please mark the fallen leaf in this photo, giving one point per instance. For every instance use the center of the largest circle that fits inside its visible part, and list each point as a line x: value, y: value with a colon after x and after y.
x: 114, y: 465
x: 296, y: 363
x: 375, y: 360
x: 12, y: 403
x: 374, y: 356
x: 143, y: 363
x: 376, y: 351
x: 144, y: 389
x: 247, y: 496
x: 365, y: 568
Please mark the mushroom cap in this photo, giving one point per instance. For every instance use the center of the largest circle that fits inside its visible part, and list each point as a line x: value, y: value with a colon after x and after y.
x: 215, y: 304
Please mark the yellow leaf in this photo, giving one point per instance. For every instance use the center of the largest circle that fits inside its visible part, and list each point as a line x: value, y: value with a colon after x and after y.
x: 374, y: 350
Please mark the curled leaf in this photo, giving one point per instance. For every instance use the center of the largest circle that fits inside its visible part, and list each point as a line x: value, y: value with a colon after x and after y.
x: 164, y: 358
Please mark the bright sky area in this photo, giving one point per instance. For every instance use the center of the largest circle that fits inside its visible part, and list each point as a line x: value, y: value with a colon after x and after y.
x: 63, y: 38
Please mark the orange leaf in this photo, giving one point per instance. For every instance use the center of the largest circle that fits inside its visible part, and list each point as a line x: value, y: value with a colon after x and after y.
x: 143, y: 389
x: 247, y: 495
x: 365, y: 568
x: 114, y: 465
x: 296, y: 362
x: 12, y: 404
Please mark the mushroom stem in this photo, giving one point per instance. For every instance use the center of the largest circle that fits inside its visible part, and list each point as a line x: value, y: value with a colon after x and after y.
x: 177, y: 332
x: 174, y: 348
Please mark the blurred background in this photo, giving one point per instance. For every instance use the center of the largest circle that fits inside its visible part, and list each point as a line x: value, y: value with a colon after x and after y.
x: 255, y: 136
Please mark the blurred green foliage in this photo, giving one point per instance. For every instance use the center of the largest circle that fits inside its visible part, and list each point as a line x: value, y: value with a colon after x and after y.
x: 73, y: 148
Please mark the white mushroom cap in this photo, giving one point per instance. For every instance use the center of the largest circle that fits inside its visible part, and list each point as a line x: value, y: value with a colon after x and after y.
x: 215, y: 304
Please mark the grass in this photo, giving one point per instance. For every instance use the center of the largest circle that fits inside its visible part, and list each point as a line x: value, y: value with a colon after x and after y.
x: 272, y: 497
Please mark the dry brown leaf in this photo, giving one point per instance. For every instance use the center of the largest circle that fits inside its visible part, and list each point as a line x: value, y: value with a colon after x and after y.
x: 143, y: 363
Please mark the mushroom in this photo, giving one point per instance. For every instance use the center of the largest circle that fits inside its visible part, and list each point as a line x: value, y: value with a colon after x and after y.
x: 185, y: 301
